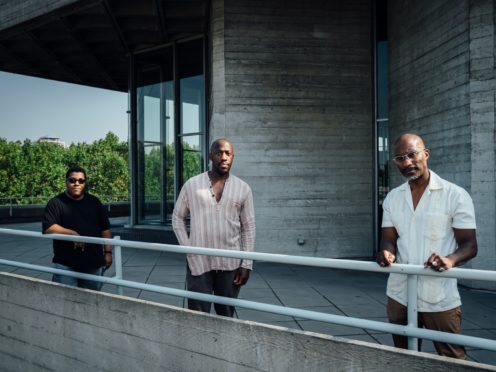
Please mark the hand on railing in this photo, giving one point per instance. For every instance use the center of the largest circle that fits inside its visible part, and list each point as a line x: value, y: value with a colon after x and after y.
x: 438, y: 263
x: 385, y: 258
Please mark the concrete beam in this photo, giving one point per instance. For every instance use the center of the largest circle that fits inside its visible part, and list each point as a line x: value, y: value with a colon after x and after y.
x: 13, y: 13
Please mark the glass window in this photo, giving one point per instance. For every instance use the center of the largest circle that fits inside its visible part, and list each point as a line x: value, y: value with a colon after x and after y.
x: 192, y: 157
x: 192, y: 107
x: 170, y: 156
x: 192, y: 104
x: 156, y: 136
x: 170, y: 136
x: 151, y: 111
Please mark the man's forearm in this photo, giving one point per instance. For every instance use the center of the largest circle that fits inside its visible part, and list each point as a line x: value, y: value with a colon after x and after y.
x: 463, y: 254
x: 179, y: 227
x: 107, y: 234
x: 467, y: 246
x: 57, y: 229
x: 248, y: 245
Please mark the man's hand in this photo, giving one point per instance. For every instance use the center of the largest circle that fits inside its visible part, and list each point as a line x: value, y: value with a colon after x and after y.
x: 107, y: 260
x: 57, y: 229
x: 242, y: 276
x: 79, y: 246
x: 385, y: 258
x: 439, y: 263
x: 467, y: 249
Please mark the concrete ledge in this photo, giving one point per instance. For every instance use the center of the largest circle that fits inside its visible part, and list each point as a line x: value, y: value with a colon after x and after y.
x: 34, y: 212
x: 48, y: 326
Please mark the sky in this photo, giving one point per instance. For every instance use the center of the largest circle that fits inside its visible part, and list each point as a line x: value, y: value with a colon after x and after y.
x: 32, y: 108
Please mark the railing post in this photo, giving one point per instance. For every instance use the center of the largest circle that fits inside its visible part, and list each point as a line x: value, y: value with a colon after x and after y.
x: 11, y: 207
x: 412, y: 310
x: 118, y: 264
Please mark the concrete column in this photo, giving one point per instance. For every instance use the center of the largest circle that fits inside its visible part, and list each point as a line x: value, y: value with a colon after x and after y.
x: 292, y: 90
x: 442, y: 86
x: 483, y: 130
x: 217, y: 107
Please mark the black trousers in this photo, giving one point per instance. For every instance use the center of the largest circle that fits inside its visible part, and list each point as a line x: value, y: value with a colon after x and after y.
x: 218, y: 282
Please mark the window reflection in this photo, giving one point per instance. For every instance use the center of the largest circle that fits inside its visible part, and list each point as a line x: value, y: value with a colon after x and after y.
x: 170, y: 136
x: 192, y: 157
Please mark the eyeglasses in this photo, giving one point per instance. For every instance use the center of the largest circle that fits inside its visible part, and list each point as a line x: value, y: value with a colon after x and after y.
x: 81, y: 181
x: 412, y: 155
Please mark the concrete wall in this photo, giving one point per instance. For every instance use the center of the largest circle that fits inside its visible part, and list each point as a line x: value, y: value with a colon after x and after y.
x: 429, y: 74
x: 16, y: 12
x: 483, y: 129
x: 442, y: 86
x: 50, y: 327
x: 292, y: 90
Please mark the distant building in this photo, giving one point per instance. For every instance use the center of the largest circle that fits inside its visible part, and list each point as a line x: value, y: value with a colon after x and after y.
x: 55, y: 140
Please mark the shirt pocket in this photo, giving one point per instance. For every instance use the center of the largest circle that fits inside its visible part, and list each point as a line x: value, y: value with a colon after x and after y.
x: 436, y: 226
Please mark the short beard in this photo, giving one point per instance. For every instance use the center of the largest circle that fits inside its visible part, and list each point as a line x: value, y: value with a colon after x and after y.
x: 412, y: 178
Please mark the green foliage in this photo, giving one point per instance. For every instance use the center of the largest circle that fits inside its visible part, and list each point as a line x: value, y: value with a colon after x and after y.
x: 153, y: 176
x: 192, y: 162
x: 37, y: 169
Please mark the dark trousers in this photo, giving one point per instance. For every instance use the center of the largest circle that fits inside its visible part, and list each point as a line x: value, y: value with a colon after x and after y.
x: 445, y: 321
x: 218, y: 282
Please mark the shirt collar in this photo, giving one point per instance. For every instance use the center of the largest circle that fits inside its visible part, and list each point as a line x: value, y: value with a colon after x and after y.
x: 435, y: 183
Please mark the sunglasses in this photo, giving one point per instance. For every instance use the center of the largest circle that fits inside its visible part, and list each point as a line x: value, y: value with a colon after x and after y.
x: 412, y: 155
x: 81, y: 181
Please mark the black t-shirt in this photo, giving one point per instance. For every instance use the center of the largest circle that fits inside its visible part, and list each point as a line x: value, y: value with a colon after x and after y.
x: 87, y: 217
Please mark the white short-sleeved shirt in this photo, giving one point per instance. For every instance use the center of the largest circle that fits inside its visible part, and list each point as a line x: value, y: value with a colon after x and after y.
x: 423, y: 231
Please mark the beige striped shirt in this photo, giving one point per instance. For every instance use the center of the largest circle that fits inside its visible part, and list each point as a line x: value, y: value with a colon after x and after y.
x: 227, y: 224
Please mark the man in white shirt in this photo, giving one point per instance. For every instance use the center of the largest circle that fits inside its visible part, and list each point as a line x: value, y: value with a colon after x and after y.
x: 220, y: 206
x: 428, y: 221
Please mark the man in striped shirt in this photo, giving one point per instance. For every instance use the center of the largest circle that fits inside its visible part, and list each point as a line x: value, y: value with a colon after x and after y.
x: 220, y: 206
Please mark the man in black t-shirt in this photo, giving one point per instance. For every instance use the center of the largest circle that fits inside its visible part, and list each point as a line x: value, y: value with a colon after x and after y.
x: 75, y: 212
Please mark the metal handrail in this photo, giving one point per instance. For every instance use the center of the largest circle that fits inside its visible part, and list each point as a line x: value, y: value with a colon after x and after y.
x: 410, y: 330
x: 12, y: 200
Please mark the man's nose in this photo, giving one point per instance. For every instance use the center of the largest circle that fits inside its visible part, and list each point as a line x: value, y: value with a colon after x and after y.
x: 408, y: 161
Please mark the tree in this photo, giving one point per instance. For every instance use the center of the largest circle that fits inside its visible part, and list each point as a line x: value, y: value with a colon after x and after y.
x: 37, y: 169
x: 11, y: 169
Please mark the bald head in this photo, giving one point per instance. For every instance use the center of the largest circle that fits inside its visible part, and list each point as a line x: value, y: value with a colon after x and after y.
x: 411, y: 139
x: 219, y: 142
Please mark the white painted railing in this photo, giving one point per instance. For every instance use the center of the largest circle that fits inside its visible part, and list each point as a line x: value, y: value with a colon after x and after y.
x: 412, y: 271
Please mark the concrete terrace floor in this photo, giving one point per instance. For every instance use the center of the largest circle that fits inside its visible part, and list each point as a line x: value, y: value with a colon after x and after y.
x: 340, y: 292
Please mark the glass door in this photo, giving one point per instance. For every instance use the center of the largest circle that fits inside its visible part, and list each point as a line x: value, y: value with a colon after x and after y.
x: 156, y: 134
x: 171, y: 134
x: 192, y: 108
